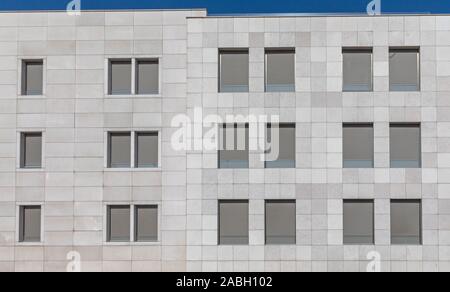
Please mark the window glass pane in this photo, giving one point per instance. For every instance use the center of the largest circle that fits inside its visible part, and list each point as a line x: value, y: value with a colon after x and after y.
x: 120, y: 150
x: 147, y: 150
x: 357, y: 69
x: 234, y: 67
x: 234, y: 146
x: 120, y: 77
x: 406, y: 222
x: 358, y: 222
x: 119, y: 223
x: 30, y: 224
x: 285, y: 146
x: 405, y: 149
x: 31, y: 150
x: 280, y: 70
x: 280, y: 222
x: 147, y: 77
x: 146, y: 223
x: 358, y: 146
x: 33, y: 77
x: 233, y: 222
x: 404, y: 69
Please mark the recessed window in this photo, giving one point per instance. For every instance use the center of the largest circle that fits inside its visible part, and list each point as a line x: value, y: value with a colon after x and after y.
x: 280, y: 70
x: 404, y: 69
x: 280, y: 222
x: 31, y: 150
x: 32, y: 77
x: 119, y: 223
x: 233, y: 222
x: 405, y: 144
x: 30, y: 224
x: 120, y: 77
x: 359, y: 222
x: 234, y: 145
x: 119, y: 150
x: 406, y: 222
x: 358, y: 145
x: 281, y: 146
x: 147, y: 77
x: 234, y: 71
x: 147, y: 155
x: 357, y: 69
x: 146, y: 223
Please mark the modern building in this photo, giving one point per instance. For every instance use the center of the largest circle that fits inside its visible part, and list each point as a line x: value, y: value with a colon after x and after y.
x: 89, y: 171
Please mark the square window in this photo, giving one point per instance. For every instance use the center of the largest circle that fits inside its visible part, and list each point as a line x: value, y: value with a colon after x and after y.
x: 358, y: 145
x: 281, y: 145
x: 30, y: 224
x: 234, y: 71
x: 120, y: 77
x: 31, y: 150
x: 147, y: 155
x: 359, y: 222
x: 357, y: 70
x: 118, y: 223
x: 280, y: 70
x: 119, y: 148
x: 32, y: 77
x: 404, y: 69
x: 234, y: 145
x: 406, y: 222
x: 233, y: 222
x: 405, y: 146
x: 147, y: 77
x: 280, y: 222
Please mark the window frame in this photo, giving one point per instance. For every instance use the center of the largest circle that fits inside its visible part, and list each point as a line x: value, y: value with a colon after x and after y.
x: 220, y: 201
x: 223, y: 51
x: 137, y: 61
x: 354, y: 201
x: 20, y: 163
x: 420, y: 201
x: 136, y: 135
x: 290, y: 201
x: 358, y: 50
x: 136, y: 220
x: 281, y: 125
x: 21, y: 78
x: 269, y: 51
x: 406, y: 125
x: 19, y: 226
x: 236, y: 126
x: 359, y: 125
x: 419, y: 67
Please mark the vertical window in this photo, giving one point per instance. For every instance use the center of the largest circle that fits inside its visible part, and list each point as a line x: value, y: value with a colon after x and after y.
x: 119, y: 147
x: 234, y: 71
x: 280, y: 222
x: 31, y: 150
x: 147, y: 155
x: 120, y: 77
x: 30, y: 224
x: 233, y: 222
x: 404, y: 69
x: 118, y: 223
x: 405, y: 144
x: 234, y: 146
x: 359, y: 222
x: 146, y: 223
x: 280, y: 70
x: 358, y: 147
x: 147, y: 77
x: 406, y: 222
x: 357, y: 69
x: 281, y: 146
x: 32, y: 77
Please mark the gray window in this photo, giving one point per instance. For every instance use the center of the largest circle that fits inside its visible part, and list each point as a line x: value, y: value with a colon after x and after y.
x: 404, y: 69
x: 234, y: 145
x: 280, y: 222
x: 32, y: 77
x: 358, y: 147
x: 120, y: 77
x: 405, y: 144
x: 359, y: 222
x: 147, y: 77
x: 285, y: 146
x: 406, y: 222
x: 234, y: 68
x: 357, y: 69
x: 119, y: 150
x: 147, y: 155
x: 146, y: 223
x: 118, y: 223
x: 280, y: 70
x: 30, y: 224
x: 31, y: 150
x: 233, y: 222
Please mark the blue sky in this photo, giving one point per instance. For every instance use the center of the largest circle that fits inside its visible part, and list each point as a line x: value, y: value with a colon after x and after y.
x: 242, y: 6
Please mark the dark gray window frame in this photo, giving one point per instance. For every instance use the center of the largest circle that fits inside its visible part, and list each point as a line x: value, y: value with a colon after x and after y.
x: 147, y: 61
x: 223, y: 51
x: 136, y: 223
x: 266, y: 202
x: 420, y: 202
x: 108, y: 223
x: 24, y: 77
x: 219, y: 217
x: 406, y: 125
x: 354, y: 201
x: 23, y: 158
x: 136, y: 150
x: 122, y: 61
x: 109, y: 144
x: 274, y: 164
x: 22, y: 236
x: 359, y: 125
x: 269, y: 51
x: 408, y: 50
x: 360, y: 50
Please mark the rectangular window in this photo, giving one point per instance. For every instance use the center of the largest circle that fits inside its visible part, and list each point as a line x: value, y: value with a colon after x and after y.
x: 233, y: 222
x: 147, y: 77
x: 120, y: 77
x: 358, y: 145
x: 146, y: 223
x: 31, y: 150
x: 405, y: 144
x: 147, y: 155
x: 404, y: 69
x: 32, y: 77
x: 359, y: 222
x: 280, y: 222
x: 119, y: 148
x: 406, y: 222
x: 234, y: 145
x: 234, y: 71
x: 280, y: 70
x: 30, y: 224
x: 357, y: 69
x: 119, y: 223
x: 281, y: 145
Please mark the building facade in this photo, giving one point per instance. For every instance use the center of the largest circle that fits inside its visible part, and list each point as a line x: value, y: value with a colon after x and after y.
x: 90, y: 178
